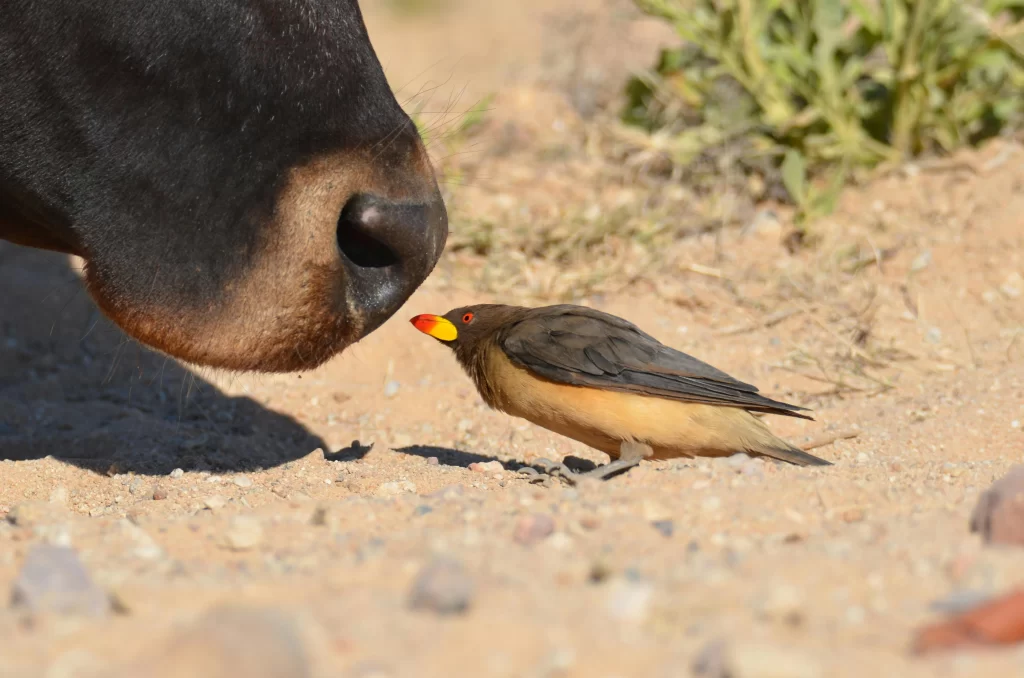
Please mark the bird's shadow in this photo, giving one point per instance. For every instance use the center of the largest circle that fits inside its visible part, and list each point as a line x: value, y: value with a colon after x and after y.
x: 74, y: 387
x: 354, y: 451
x: 452, y: 457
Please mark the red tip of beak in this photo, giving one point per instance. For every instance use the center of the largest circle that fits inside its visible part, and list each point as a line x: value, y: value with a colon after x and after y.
x: 436, y: 326
x: 422, y: 322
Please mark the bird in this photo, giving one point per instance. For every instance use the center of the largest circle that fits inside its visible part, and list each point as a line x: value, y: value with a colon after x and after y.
x: 599, y: 379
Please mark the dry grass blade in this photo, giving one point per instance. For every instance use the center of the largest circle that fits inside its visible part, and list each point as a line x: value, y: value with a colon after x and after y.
x: 769, y: 321
x: 828, y: 438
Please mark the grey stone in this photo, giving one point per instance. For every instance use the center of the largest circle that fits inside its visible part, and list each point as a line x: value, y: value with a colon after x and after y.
x: 53, y: 580
x: 443, y: 586
x: 999, y: 514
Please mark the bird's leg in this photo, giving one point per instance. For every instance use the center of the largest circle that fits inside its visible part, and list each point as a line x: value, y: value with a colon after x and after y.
x: 631, y: 453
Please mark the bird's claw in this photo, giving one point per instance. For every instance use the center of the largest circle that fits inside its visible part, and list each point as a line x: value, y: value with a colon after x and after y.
x: 558, y: 470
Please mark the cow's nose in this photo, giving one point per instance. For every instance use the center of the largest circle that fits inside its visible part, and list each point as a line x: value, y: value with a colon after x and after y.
x: 388, y: 248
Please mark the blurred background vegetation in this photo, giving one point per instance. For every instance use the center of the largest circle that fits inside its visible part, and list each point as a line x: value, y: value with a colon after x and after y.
x: 815, y: 93
x: 620, y: 130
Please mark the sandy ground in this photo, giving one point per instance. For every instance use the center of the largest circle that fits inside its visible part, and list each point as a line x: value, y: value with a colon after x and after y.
x: 324, y: 495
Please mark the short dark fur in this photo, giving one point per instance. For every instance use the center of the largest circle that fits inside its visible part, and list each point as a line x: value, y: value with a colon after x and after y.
x: 584, y: 347
x: 150, y: 136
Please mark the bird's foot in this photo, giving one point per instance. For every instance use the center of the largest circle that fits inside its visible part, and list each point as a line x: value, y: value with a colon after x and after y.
x: 557, y: 470
x: 630, y: 455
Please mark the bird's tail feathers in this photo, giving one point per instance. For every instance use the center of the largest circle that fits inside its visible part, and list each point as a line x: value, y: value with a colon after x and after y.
x: 764, y: 442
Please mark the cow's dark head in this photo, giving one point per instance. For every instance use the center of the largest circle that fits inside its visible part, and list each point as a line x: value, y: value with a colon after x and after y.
x: 242, y: 184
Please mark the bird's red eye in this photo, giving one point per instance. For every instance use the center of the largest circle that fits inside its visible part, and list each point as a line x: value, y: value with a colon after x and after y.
x: 468, y: 318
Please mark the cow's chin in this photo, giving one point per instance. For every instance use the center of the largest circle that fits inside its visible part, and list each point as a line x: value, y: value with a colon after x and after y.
x: 300, y: 328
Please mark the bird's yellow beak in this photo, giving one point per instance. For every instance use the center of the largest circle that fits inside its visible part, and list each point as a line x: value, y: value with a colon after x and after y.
x: 436, y: 326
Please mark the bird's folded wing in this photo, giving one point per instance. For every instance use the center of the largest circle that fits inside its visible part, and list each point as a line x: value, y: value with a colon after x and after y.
x: 585, y: 347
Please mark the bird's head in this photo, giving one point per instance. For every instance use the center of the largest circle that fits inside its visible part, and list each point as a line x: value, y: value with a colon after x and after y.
x: 465, y: 328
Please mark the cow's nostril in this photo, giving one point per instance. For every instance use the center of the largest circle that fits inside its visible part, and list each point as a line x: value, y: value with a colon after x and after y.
x: 387, y: 247
x: 360, y: 236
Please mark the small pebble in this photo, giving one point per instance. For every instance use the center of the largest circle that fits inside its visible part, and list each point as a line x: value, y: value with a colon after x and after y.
x: 443, y: 587
x: 177, y: 473
x: 319, y: 516
x: 423, y: 510
x: 999, y: 514
x: 765, y: 222
x: 391, y: 388
x: 666, y: 527
x: 782, y: 604
x: 486, y: 466
x: 243, y: 533
x: 432, y: 461
x: 215, y: 502
x: 449, y: 492
x: 719, y: 659
x: 159, y: 493
x: 533, y: 528
x: 628, y: 600
x: 242, y: 481
x: 395, y: 488
x: 53, y: 579
x: 854, y: 515
x: 35, y: 513
x: 655, y: 512
x: 737, y: 461
x: 711, y: 661
x: 599, y: 571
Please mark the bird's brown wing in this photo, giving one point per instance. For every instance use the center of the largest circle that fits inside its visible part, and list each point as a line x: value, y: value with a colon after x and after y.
x: 585, y: 347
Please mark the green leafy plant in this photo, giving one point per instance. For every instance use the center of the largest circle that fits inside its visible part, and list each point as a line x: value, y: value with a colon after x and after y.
x: 818, y: 90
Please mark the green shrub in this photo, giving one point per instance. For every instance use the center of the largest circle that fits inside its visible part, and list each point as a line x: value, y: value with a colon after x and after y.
x: 823, y: 88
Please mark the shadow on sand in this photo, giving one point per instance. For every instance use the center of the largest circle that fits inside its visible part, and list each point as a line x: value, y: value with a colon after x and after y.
x: 74, y: 387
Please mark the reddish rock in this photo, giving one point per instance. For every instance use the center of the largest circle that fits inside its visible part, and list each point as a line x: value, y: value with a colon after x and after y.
x: 533, y: 528
x: 996, y: 622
